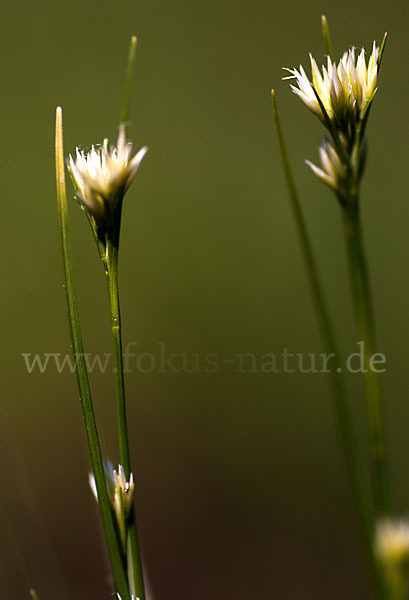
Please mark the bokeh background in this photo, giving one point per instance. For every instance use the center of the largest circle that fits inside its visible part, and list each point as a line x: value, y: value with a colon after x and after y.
x: 241, y: 487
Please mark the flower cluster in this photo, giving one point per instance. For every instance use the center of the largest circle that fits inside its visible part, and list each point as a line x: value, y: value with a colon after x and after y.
x: 340, y: 95
x: 103, y: 175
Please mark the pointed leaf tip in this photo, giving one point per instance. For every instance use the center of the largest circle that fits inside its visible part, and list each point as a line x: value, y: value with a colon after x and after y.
x: 382, y: 49
x: 326, y: 36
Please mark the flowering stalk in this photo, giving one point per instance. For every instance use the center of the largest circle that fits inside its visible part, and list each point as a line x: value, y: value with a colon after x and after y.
x: 364, y: 315
x: 101, y: 178
x: 114, y: 550
x: 135, y: 571
x: 135, y: 562
x: 341, y: 95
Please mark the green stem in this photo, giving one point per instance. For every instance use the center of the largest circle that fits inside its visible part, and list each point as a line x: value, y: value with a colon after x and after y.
x: 113, y: 544
x: 135, y: 567
x: 342, y: 406
x: 112, y: 264
x: 362, y: 298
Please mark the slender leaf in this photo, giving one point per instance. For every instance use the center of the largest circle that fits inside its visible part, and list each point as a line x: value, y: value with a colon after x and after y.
x: 114, y: 550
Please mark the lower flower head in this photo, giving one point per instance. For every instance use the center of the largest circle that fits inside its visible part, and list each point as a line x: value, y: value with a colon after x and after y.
x: 392, y: 541
x: 120, y: 491
x: 392, y: 551
x: 332, y: 172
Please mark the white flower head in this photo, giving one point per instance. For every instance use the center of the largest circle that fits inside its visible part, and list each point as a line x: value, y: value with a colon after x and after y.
x: 103, y: 175
x: 344, y: 89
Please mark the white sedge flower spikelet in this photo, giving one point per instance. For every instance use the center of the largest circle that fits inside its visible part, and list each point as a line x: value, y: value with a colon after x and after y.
x: 102, y: 176
x: 345, y: 89
x: 122, y: 491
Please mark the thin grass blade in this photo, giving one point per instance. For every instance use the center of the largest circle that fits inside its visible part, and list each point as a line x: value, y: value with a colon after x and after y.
x: 345, y: 422
x: 116, y: 558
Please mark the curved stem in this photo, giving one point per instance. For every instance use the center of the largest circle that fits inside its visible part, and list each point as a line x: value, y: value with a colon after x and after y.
x: 362, y: 299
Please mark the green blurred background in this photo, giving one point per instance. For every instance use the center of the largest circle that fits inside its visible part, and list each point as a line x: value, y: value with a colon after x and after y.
x: 241, y: 489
